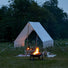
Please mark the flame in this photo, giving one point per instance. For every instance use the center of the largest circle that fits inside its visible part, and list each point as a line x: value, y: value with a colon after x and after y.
x: 28, y: 48
x: 36, y: 52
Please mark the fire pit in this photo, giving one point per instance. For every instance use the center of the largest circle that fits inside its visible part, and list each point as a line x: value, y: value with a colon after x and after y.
x: 37, y: 54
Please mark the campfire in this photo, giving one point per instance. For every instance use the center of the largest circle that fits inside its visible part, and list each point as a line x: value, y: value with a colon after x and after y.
x: 36, y: 52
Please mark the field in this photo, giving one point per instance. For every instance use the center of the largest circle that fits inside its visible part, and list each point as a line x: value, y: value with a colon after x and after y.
x: 8, y: 57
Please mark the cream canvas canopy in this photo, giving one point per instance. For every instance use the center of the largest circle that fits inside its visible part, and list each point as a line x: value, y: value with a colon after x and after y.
x: 40, y: 31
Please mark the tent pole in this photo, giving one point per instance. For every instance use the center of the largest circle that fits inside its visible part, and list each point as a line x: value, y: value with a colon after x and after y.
x: 36, y: 39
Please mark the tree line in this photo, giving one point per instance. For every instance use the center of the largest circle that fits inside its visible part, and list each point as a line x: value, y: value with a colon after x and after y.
x: 14, y: 17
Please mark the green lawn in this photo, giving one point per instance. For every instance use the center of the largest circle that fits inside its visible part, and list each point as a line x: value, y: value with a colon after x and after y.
x: 8, y: 57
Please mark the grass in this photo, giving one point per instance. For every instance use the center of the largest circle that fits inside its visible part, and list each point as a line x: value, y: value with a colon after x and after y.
x: 8, y: 57
x: 16, y: 62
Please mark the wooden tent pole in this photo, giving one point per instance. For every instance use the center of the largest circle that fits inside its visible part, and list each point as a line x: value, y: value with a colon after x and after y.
x: 36, y: 39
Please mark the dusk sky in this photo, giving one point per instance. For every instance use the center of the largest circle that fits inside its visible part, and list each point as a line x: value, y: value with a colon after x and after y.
x: 62, y: 3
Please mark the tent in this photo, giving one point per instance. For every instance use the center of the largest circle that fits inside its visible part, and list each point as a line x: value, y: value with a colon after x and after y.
x: 40, y: 31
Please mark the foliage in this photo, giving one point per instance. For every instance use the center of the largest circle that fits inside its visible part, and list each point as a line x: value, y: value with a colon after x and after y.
x: 15, y: 17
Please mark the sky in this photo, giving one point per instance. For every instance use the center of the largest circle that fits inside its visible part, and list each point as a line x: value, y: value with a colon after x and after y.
x: 62, y: 3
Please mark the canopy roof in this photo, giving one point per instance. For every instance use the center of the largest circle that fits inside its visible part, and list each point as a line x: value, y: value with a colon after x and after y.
x: 41, y: 32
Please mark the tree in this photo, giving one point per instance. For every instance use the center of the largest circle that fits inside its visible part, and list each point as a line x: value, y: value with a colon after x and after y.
x: 54, y: 2
x: 15, y: 17
x: 59, y: 15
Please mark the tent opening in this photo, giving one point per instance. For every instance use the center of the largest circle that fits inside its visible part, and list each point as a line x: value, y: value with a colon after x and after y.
x: 33, y: 40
